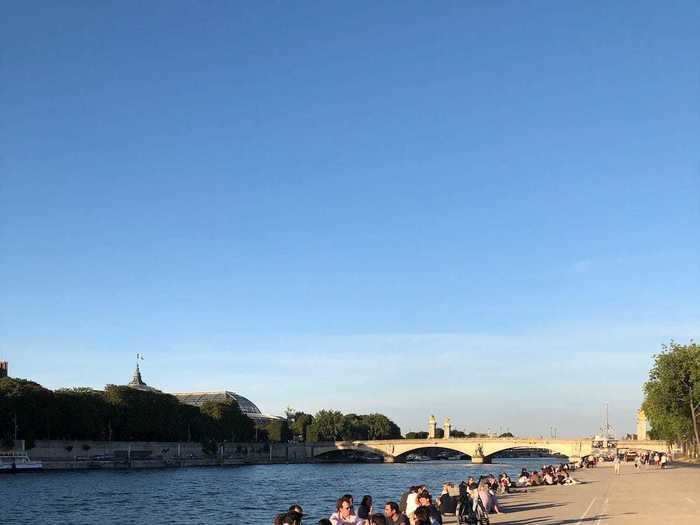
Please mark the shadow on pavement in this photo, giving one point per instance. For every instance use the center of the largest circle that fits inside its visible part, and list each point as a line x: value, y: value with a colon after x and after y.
x: 531, y: 506
x: 554, y: 521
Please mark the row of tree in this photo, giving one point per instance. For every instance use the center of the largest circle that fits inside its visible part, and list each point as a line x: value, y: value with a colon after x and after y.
x: 29, y: 411
x: 333, y: 425
x: 672, y: 396
x: 119, y: 413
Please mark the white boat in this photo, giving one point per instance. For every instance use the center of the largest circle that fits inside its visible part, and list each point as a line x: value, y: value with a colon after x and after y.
x: 18, y: 462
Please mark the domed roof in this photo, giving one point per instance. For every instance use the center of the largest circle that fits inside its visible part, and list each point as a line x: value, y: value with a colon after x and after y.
x: 199, y: 398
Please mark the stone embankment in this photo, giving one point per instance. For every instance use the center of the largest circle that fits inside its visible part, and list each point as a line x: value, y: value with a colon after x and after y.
x: 61, y: 455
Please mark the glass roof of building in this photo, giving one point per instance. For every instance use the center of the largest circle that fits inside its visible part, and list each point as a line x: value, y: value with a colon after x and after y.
x: 199, y: 398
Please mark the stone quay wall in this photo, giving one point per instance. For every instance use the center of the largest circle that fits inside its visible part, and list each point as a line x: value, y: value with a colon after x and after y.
x: 85, y: 454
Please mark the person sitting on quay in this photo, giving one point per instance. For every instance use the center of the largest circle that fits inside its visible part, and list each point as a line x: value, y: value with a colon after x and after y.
x: 344, y: 514
x: 447, y: 502
x: 365, y: 508
x: 420, y: 517
x: 295, y: 508
x: 488, y: 498
x: 548, y: 477
x: 425, y: 500
x: 290, y: 518
x: 569, y: 480
x: 524, y: 479
x: 377, y: 519
x: 412, y: 499
x: 504, y: 484
x: 393, y: 514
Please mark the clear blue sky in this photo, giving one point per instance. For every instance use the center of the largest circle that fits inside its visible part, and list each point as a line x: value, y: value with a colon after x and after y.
x: 399, y: 207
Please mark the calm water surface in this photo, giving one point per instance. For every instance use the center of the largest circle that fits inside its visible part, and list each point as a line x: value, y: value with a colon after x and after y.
x: 229, y: 495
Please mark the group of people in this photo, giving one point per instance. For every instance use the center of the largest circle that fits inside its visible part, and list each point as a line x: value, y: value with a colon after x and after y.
x: 416, y: 506
x: 657, y: 459
x: 547, y: 475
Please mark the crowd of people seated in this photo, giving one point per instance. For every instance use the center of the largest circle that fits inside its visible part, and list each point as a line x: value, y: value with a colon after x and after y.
x: 547, y: 475
x: 416, y: 506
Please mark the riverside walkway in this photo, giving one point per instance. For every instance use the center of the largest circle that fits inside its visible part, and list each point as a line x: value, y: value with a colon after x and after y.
x: 650, y: 496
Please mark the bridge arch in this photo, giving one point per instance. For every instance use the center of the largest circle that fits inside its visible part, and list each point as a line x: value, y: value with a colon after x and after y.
x: 430, y: 446
x: 350, y: 455
x: 555, y: 449
x: 321, y: 450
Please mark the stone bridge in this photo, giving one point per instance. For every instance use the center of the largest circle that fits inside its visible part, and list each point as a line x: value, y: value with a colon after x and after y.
x: 481, y: 450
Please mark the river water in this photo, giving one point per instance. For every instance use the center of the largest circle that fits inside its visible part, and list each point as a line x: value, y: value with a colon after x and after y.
x: 247, y: 495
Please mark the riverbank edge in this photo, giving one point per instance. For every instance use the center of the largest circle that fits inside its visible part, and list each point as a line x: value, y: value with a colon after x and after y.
x: 162, y: 464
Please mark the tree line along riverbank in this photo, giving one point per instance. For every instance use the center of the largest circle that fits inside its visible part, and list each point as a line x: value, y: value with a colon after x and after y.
x: 30, y: 412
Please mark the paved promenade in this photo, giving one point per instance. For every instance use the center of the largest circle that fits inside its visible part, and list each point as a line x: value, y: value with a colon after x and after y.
x: 650, y: 496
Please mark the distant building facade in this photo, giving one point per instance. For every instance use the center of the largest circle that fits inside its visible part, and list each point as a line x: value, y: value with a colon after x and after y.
x: 199, y: 398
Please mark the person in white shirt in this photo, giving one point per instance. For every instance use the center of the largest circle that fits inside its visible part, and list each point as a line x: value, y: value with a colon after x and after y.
x: 344, y: 514
x: 412, y: 501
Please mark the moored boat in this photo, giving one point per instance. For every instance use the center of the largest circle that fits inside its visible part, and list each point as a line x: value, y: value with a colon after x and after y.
x: 12, y: 462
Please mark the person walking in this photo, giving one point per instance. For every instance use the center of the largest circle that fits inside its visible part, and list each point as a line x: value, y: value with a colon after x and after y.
x: 616, y: 464
x: 637, y: 462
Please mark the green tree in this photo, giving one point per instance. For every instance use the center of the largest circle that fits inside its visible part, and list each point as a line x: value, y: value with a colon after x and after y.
x: 138, y: 415
x: 354, y: 427
x: 192, y: 424
x: 417, y: 435
x: 300, y: 423
x: 458, y: 434
x: 672, y: 394
x: 277, y: 431
x: 506, y: 435
x: 81, y: 413
x: 27, y: 410
x: 381, y: 427
x: 228, y: 423
x: 328, y: 425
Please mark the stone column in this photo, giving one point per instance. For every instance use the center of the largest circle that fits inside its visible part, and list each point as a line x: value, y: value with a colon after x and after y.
x: 447, y: 427
x: 432, y: 427
x: 641, y: 425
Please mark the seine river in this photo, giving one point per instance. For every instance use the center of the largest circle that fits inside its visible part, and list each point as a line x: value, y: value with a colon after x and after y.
x: 248, y: 495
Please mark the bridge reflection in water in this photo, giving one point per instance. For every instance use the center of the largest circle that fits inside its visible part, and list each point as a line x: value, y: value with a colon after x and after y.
x: 481, y: 450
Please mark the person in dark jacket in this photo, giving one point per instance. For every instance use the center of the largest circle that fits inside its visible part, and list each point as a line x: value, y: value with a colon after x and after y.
x: 365, y: 508
x: 425, y: 501
x: 393, y: 514
x: 447, y: 503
